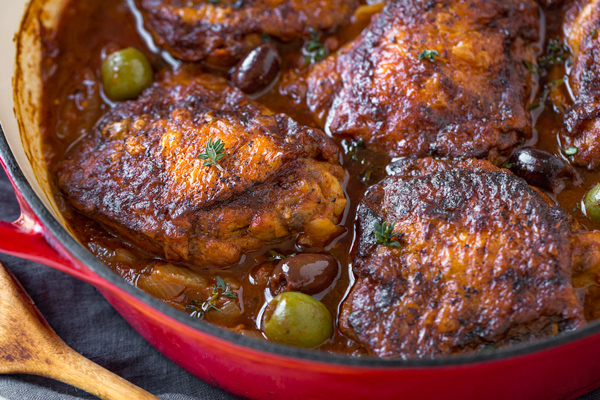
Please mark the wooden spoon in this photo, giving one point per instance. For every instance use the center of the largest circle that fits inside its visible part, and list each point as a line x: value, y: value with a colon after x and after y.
x: 29, y: 346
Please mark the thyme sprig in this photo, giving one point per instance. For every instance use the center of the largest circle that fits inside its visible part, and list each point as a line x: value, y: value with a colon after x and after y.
x: 556, y: 54
x: 314, y: 50
x: 429, y: 55
x: 531, y: 67
x: 384, y: 234
x: 198, y: 309
x: 224, y: 288
x: 545, y: 93
x: 213, y: 153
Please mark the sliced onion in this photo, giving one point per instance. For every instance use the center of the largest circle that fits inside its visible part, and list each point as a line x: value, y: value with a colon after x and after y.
x: 167, y: 281
x: 164, y: 290
x: 125, y: 256
x: 229, y: 314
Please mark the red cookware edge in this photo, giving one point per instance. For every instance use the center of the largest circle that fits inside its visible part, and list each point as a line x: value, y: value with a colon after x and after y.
x: 269, y: 371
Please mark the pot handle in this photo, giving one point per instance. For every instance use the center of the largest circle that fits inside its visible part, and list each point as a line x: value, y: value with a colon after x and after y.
x: 27, y: 238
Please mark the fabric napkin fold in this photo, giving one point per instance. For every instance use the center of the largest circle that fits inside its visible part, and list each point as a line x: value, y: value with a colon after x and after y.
x: 87, y: 323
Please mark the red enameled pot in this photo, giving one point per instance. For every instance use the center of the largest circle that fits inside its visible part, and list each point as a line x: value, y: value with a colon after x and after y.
x: 564, y: 366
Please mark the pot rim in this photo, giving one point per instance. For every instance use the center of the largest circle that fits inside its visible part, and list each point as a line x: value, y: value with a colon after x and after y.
x: 96, y: 267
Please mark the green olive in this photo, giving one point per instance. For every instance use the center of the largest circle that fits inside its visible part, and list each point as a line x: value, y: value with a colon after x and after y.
x: 125, y: 74
x: 592, y: 203
x: 297, y: 319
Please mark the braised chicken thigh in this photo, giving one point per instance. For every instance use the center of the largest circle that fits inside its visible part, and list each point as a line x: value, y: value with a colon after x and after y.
x: 141, y: 173
x: 441, y: 78
x: 582, y: 120
x: 223, y: 31
x: 472, y: 257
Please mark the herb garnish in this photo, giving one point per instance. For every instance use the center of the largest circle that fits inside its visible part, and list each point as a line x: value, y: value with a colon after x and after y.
x: 546, y: 93
x: 384, y: 234
x: 428, y: 54
x: 366, y: 176
x: 556, y: 82
x: 556, y: 54
x: 571, y: 151
x: 224, y: 288
x: 353, y: 147
x: 531, y: 67
x: 275, y: 256
x: 314, y: 50
x: 199, y: 308
x: 214, y: 152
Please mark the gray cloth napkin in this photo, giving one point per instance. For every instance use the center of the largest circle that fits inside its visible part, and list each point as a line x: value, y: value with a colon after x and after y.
x: 87, y: 323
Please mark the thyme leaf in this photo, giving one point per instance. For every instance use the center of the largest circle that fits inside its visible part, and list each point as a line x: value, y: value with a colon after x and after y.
x: 531, y: 67
x: 428, y: 54
x: 198, y: 309
x: 224, y: 288
x: 314, y: 50
x: 384, y: 234
x: 221, y: 283
x: 545, y: 93
x: 556, y: 54
x: 556, y: 82
x: 213, y: 153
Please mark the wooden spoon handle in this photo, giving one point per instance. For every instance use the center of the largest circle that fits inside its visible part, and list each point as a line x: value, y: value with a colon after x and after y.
x: 28, y: 345
x: 73, y: 369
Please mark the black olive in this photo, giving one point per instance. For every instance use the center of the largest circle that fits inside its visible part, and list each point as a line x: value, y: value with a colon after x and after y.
x: 258, y: 69
x: 306, y: 273
x: 540, y: 168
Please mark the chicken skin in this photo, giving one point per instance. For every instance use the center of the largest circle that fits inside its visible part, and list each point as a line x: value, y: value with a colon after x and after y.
x: 139, y: 173
x: 222, y: 32
x: 480, y: 259
x: 442, y: 78
x: 582, y: 119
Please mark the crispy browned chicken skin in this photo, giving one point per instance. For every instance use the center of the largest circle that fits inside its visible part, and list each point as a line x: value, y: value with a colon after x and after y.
x: 469, y: 102
x: 137, y: 172
x: 484, y: 259
x: 582, y: 120
x: 224, y: 31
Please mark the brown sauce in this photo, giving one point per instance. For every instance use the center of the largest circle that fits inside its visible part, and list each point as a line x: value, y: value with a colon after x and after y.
x: 74, y: 102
